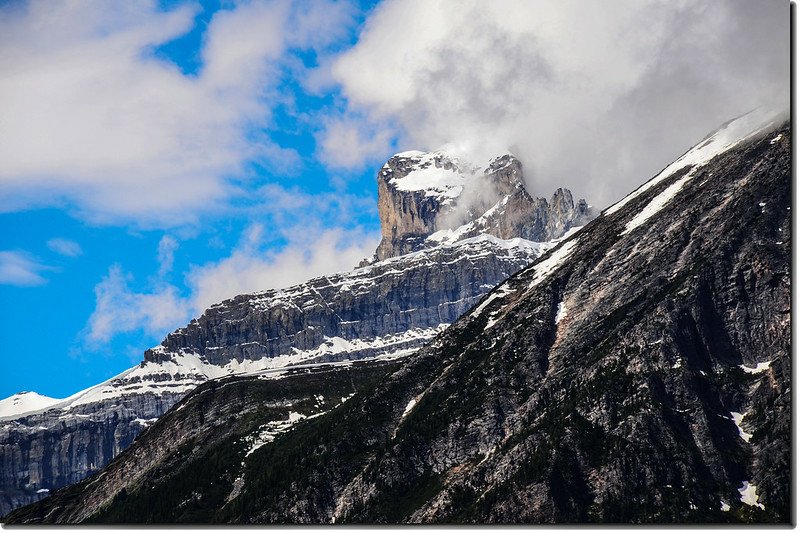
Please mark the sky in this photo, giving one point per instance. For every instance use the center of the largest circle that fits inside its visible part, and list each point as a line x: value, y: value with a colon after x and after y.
x: 157, y: 157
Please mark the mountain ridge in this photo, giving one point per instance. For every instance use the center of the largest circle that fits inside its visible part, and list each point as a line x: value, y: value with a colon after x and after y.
x: 384, y: 309
x: 622, y: 377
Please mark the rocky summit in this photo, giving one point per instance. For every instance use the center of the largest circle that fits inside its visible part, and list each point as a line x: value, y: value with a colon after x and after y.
x: 426, y: 198
x: 387, y: 308
x: 639, y: 371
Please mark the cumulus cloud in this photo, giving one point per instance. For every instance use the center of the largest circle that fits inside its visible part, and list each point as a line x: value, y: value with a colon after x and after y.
x: 65, y: 247
x: 119, y: 309
x: 91, y: 117
x: 255, y: 264
x: 166, y: 254
x: 248, y: 269
x: 21, y: 268
x: 346, y: 142
x: 594, y: 95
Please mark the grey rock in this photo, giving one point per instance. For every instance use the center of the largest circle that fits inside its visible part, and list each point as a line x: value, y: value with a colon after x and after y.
x: 386, y: 308
x: 595, y: 385
x: 470, y: 202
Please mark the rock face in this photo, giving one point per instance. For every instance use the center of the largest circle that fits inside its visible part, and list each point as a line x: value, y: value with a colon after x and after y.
x: 388, y: 308
x: 238, y: 414
x: 637, y: 372
x: 43, y: 451
x: 421, y: 194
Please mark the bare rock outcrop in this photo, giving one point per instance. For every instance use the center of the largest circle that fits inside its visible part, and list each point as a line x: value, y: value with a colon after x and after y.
x: 427, y: 198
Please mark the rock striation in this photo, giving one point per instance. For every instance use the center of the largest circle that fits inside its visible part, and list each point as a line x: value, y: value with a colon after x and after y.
x: 637, y: 372
x: 387, y: 308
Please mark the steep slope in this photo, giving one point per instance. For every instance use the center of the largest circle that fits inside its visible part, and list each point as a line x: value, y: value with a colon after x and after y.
x: 207, y: 437
x: 638, y: 372
x: 387, y: 308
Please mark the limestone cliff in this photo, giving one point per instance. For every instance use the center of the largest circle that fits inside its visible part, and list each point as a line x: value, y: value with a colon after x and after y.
x: 424, y: 198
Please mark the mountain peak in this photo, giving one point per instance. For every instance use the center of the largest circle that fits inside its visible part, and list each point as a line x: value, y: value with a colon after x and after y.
x: 427, y: 197
x: 24, y: 402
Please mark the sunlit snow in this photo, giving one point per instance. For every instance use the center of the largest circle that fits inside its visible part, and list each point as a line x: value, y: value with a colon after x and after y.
x: 409, y: 406
x: 760, y: 367
x: 737, y: 419
x: 25, y: 402
x: 426, y: 177
x: 542, y: 269
x: 561, y: 313
x: 656, y: 204
x: 749, y: 494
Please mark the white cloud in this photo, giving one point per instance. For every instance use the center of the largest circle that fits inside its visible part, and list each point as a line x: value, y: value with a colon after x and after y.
x: 346, y: 142
x: 118, y: 309
x: 21, y: 268
x: 166, y: 254
x: 248, y: 269
x: 160, y: 307
x: 65, y: 247
x: 91, y: 117
x: 593, y: 95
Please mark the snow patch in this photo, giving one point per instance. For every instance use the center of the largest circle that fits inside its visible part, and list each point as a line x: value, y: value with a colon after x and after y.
x: 724, y: 507
x: 425, y: 176
x: 656, y: 204
x: 725, y: 138
x: 749, y: 495
x: 409, y: 406
x: 737, y: 419
x: 561, y: 313
x: 760, y: 367
x: 556, y: 258
x: 267, y: 432
x: 501, y: 292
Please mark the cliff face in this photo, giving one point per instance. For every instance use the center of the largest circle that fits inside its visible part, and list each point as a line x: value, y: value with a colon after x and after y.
x: 424, y: 196
x: 637, y: 372
x: 388, y: 308
x: 47, y: 450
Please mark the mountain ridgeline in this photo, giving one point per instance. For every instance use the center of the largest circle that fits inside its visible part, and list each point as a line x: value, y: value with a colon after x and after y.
x: 638, y: 372
x: 387, y: 308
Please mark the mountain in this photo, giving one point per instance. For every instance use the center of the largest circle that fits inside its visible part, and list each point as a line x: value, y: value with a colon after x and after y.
x: 425, y: 198
x: 387, y: 308
x: 637, y: 372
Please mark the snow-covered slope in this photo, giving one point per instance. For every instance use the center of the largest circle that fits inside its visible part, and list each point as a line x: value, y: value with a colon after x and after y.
x: 434, y: 174
x: 24, y: 402
x: 727, y: 136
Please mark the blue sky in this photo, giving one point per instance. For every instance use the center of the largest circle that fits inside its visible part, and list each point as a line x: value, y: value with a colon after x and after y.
x: 161, y: 156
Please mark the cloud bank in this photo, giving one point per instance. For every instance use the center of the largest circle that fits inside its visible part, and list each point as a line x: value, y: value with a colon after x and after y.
x: 596, y: 95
